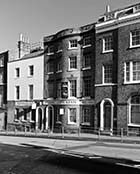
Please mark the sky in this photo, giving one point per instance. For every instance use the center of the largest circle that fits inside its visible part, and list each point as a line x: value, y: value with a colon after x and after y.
x: 39, y: 18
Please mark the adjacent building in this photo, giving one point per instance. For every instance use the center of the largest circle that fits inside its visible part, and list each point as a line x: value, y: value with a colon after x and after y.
x: 3, y: 90
x: 117, y: 76
x: 25, y: 86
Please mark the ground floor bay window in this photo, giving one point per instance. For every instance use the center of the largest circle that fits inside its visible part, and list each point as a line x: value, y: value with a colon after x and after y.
x: 134, y: 111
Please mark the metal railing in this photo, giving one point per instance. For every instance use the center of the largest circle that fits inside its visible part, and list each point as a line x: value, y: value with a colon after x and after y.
x: 120, y: 135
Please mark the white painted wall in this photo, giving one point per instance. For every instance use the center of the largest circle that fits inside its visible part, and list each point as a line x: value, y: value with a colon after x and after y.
x: 24, y: 80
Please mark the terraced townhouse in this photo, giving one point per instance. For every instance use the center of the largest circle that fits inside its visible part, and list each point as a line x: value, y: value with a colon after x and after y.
x: 86, y: 77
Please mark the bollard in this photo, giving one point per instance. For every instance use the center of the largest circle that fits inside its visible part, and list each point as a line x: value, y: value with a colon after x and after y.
x: 79, y: 131
x: 48, y: 132
x: 35, y: 132
x: 99, y: 135
x: 7, y: 131
x: 25, y: 131
x: 15, y: 131
x: 122, y: 135
x: 62, y: 131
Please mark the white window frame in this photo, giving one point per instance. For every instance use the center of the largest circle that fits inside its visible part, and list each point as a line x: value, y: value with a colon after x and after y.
x: 69, y: 89
x: 129, y: 114
x: 130, y: 73
x: 103, y: 75
x: 71, y: 122
x: 71, y: 69
x: 84, y: 42
x: 104, y: 50
x: 133, y: 46
x: 70, y: 44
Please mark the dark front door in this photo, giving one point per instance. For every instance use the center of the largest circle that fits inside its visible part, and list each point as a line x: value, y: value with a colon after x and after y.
x: 107, y: 116
x: 50, y: 113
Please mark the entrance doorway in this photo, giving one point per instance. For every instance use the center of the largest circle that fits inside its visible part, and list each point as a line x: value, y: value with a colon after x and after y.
x: 50, y: 117
x: 107, y: 115
x: 40, y: 118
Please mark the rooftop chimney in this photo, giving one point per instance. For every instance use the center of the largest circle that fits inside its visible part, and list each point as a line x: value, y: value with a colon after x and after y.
x: 107, y: 8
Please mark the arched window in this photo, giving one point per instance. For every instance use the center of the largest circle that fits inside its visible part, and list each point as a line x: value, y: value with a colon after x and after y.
x: 135, y: 110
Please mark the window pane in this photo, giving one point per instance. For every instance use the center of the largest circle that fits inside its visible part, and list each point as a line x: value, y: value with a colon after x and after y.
x: 31, y: 70
x: 135, y: 114
x: 30, y: 92
x: 50, y: 90
x: 86, y: 115
x: 17, y: 72
x: 16, y: 114
x: 136, y: 71
x: 87, y: 60
x: 127, y: 71
x: 87, y: 87
x: 59, y: 66
x: 73, y: 62
x: 72, y: 115
x: 135, y: 100
x: 50, y: 67
x: 135, y: 37
x: 58, y: 89
x: 108, y: 74
x: 17, y: 92
x: 108, y: 43
x: 73, y: 88
x: 73, y: 43
x: 87, y: 41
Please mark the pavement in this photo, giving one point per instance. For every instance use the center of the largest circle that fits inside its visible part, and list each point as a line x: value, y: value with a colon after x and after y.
x: 119, y: 150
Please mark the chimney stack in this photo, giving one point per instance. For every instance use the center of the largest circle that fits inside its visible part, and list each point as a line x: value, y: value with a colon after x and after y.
x: 107, y: 8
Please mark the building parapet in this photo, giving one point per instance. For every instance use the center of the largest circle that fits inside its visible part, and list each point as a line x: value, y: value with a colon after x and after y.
x: 118, y: 17
x: 69, y: 31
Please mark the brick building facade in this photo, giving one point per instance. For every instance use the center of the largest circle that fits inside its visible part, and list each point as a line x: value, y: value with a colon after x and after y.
x: 117, y: 74
x: 3, y: 89
x: 69, y: 80
x: 92, y: 75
